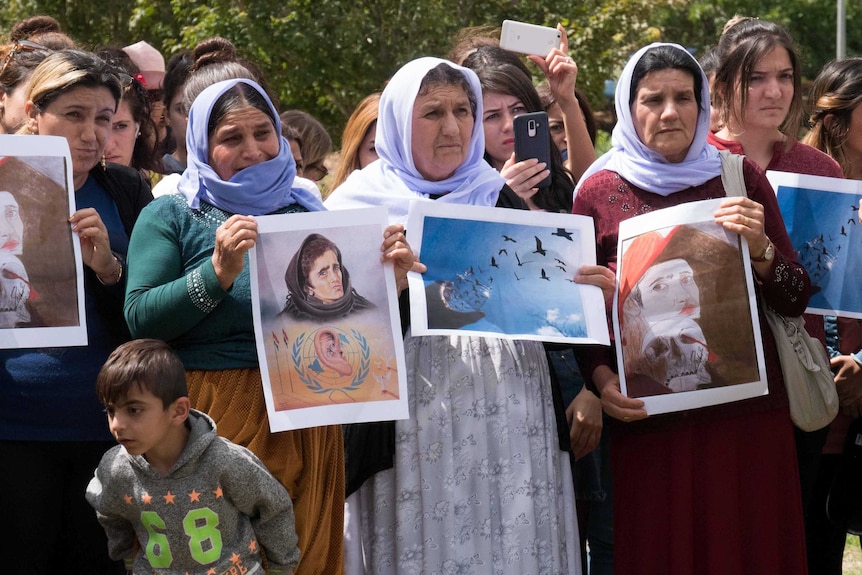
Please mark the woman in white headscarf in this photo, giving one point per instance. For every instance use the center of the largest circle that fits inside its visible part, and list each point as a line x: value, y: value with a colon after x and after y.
x: 714, y: 490
x: 477, y: 482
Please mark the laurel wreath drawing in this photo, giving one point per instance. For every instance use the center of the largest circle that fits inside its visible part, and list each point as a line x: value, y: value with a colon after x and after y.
x: 307, y: 377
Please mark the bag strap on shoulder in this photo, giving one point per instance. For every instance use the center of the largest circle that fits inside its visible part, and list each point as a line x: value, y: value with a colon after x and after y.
x: 732, y: 176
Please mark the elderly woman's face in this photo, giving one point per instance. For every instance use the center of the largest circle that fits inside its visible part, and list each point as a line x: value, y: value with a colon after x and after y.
x: 83, y: 116
x: 668, y: 290
x: 664, y: 112
x: 241, y: 139
x: 325, y: 278
x: 442, y: 124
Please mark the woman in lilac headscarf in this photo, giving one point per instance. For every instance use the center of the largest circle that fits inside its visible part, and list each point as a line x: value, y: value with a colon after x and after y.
x: 188, y: 284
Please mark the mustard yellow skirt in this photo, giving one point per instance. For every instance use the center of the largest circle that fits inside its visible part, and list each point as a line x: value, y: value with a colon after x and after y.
x: 308, y: 462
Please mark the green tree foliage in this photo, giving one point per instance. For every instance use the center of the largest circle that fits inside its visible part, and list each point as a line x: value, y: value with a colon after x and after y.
x: 94, y: 23
x: 811, y: 23
x: 323, y: 56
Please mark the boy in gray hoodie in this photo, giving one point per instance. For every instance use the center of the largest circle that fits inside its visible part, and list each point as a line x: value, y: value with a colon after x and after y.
x: 174, y: 497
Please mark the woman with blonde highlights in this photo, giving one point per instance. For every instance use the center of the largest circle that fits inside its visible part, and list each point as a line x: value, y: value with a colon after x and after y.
x: 357, y: 142
x: 835, y: 97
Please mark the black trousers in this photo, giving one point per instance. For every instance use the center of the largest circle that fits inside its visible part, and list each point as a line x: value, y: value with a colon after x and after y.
x: 49, y: 526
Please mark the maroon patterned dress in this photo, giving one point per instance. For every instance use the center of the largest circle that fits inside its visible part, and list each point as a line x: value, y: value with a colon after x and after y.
x: 710, y: 491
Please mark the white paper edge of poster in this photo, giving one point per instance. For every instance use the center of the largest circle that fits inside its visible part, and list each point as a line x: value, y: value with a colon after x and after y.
x: 37, y: 337
x: 827, y: 184
x: 592, y: 299
x: 360, y: 412
x: 690, y: 213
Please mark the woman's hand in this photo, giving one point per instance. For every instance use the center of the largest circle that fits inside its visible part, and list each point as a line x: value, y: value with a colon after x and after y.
x: 584, y: 415
x: 598, y: 276
x: 560, y: 70
x: 95, y: 244
x: 848, y: 382
x: 745, y: 217
x: 396, y: 250
x: 614, y: 402
x: 233, y: 239
x: 523, y: 177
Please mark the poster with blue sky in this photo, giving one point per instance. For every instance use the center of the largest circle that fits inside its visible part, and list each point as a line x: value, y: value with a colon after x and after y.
x: 822, y: 218
x: 503, y: 273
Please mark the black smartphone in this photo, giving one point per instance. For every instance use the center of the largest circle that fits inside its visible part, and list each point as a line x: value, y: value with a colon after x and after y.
x: 533, y: 140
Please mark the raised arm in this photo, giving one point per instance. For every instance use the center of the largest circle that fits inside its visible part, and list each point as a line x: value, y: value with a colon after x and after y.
x: 562, y: 73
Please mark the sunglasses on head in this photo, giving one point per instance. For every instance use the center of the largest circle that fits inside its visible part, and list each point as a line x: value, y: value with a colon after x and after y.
x: 21, y: 46
x: 127, y: 79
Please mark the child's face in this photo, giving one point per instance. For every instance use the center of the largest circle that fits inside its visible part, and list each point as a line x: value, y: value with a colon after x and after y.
x: 139, y: 421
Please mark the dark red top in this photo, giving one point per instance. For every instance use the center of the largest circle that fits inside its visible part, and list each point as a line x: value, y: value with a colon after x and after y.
x: 799, y: 159
x: 609, y: 199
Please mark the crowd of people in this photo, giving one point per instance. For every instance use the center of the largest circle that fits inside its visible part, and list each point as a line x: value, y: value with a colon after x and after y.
x: 518, y: 457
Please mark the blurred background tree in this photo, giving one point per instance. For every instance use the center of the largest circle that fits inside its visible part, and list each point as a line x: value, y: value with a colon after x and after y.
x: 324, y: 56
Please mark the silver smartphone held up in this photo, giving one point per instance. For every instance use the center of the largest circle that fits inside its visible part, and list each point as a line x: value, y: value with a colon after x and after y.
x: 528, y: 38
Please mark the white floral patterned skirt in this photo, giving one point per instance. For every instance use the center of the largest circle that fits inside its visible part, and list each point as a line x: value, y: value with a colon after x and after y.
x: 480, y: 484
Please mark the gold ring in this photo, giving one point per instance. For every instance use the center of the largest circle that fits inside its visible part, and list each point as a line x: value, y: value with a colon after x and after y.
x: 745, y: 221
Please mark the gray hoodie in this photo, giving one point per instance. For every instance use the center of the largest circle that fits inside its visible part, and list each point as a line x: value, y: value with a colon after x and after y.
x: 215, y: 509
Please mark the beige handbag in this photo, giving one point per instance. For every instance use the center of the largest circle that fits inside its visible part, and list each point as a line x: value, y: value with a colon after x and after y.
x: 804, y: 363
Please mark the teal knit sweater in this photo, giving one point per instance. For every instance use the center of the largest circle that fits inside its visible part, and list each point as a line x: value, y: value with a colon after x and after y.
x: 172, y: 292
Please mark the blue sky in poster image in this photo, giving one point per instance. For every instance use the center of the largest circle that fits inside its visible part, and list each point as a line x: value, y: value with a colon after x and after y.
x: 519, y: 276
x: 827, y: 237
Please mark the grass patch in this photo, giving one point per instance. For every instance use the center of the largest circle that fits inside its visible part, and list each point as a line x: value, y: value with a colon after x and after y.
x: 852, y: 556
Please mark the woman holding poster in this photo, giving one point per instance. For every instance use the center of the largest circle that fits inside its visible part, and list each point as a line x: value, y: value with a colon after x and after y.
x: 758, y: 92
x: 189, y: 285
x: 476, y: 482
x: 689, y: 487
x: 51, y: 424
x: 835, y: 98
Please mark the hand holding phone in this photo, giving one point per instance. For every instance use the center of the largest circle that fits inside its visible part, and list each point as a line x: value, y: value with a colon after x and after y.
x: 529, y: 38
x: 533, y: 140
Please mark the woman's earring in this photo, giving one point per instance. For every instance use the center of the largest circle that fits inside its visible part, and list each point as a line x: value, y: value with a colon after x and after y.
x: 104, y: 163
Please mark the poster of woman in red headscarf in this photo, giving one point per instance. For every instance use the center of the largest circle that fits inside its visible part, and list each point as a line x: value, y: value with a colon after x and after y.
x: 685, y: 314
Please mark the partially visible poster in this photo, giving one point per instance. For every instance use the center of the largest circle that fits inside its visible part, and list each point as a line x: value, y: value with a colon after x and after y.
x: 685, y: 313
x: 822, y: 219
x: 326, y: 320
x: 41, y: 270
x: 503, y: 273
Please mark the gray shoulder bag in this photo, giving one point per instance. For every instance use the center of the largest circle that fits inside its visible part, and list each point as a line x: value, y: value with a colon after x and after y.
x: 804, y: 363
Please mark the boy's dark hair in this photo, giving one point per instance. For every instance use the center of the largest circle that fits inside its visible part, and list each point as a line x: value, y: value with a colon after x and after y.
x: 150, y: 364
